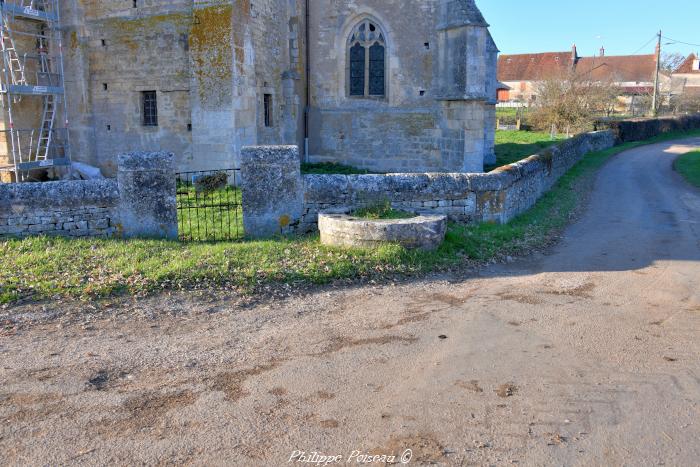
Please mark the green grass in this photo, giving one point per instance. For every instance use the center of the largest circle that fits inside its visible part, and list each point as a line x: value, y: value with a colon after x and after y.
x: 44, y: 267
x: 688, y: 165
x: 331, y: 168
x: 209, y: 216
x: 512, y: 146
x: 382, y: 211
x: 506, y: 112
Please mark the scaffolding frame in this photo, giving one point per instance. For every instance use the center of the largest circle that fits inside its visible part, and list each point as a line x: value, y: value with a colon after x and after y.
x: 30, y: 74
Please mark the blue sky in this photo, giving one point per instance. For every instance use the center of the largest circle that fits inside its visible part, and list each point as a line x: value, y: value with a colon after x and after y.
x: 622, y: 26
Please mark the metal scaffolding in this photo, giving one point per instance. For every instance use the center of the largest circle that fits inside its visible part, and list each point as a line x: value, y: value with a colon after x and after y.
x: 32, y: 87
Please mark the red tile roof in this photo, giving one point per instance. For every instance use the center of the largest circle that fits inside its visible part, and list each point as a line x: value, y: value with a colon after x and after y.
x: 534, y: 67
x: 687, y: 66
x: 624, y: 68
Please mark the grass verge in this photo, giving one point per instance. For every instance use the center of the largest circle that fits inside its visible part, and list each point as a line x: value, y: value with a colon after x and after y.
x: 512, y: 146
x: 44, y: 267
x: 382, y: 211
x: 688, y: 165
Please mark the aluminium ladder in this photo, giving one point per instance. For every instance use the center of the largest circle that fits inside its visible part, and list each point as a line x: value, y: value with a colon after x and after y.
x: 32, y: 69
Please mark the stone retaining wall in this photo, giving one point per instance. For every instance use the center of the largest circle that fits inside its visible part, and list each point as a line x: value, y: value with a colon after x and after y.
x: 140, y: 202
x: 497, y: 196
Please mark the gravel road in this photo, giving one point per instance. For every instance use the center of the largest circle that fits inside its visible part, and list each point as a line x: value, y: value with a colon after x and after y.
x: 588, y: 354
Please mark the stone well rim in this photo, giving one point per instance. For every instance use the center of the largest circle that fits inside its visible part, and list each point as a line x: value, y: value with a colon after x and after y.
x: 425, y: 232
x: 417, y: 219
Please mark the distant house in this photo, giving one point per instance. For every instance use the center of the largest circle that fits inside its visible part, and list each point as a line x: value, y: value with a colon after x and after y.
x: 685, y: 84
x: 522, y: 73
x: 632, y: 74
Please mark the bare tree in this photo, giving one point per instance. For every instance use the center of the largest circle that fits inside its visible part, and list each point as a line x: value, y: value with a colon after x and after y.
x: 670, y: 61
x: 571, y: 103
x: 687, y: 102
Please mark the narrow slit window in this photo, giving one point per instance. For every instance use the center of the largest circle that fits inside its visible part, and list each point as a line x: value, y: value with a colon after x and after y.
x: 267, y: 104
x: 150, y: 108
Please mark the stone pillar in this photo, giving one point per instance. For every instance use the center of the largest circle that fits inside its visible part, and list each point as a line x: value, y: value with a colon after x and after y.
x: 147, y: 195
x: 465, y: 85
x: 272, y: 190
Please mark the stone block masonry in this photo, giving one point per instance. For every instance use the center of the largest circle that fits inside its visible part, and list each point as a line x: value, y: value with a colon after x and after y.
x: 141, y: 202
x: 71, y: 209
x: 271, y: 190
x: 497, y: 196
x: 147, y: 195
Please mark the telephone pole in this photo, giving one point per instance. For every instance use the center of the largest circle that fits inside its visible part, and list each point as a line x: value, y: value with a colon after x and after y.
x: 655, y: 100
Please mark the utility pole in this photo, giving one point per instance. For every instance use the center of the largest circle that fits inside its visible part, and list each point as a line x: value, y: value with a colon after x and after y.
x: 655, y: 100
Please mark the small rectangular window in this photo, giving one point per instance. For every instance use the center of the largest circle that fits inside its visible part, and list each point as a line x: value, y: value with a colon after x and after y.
x: 267, y: 103
x: 150, y: 108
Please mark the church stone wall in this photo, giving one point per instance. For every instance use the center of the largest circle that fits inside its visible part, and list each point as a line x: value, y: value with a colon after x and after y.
x: 438, y: 113
x: 212, y: 62
x: 113, y: 52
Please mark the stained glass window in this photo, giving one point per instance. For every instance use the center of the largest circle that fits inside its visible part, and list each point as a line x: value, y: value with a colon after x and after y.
x: 357, y: 70
x: 367, y: 61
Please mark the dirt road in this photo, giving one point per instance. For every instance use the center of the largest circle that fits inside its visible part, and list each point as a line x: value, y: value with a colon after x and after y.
x: 588, y: 355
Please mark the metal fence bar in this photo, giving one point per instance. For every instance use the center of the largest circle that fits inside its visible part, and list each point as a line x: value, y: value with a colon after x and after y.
x: 208, y: 205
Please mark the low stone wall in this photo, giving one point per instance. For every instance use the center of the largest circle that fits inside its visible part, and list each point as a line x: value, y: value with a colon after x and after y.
x: 497, y: 196
x: 72, y: 208
x: 140, y: 202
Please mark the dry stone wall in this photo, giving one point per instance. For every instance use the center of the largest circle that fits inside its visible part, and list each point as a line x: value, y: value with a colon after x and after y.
x: 497, y: 196
x: 71, y: 209
x: 141, y: 202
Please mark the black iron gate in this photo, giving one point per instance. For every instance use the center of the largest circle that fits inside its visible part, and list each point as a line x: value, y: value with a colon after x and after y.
x: 209, y: 206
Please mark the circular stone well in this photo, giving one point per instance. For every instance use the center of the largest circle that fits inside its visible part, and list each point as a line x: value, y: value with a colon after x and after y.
x: 423, y: 232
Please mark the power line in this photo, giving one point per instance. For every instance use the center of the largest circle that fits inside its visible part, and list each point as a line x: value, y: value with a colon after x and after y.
x: 681, y: 42
x: 648, y: 42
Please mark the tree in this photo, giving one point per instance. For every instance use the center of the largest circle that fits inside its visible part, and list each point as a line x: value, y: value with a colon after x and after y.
x: 687, y: 102
x: 670, y: 61
x: 571, y: 104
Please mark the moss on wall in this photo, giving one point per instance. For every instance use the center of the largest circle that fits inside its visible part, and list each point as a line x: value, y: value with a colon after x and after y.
x: 211, y: 54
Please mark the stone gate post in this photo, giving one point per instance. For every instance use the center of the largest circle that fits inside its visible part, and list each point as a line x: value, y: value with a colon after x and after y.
x: 272, y: 190
x: 147, y: 195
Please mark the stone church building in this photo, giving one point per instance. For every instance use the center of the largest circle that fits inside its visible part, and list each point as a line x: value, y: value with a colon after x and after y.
x: 384, y: 85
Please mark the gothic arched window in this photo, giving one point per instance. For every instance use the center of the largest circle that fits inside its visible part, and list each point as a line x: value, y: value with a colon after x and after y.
x: 367, y: 61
